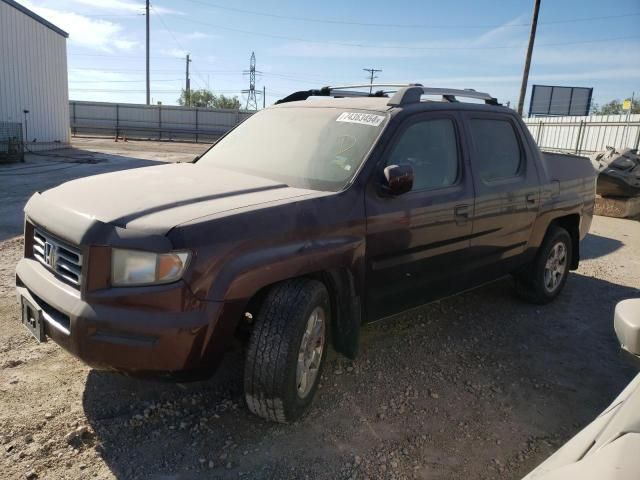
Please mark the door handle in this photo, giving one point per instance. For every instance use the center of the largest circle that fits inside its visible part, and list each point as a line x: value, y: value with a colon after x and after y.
x: 461, y: 211
x: 531, y: 198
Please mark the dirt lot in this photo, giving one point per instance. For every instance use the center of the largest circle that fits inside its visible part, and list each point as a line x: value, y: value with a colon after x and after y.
x: 476, y: 386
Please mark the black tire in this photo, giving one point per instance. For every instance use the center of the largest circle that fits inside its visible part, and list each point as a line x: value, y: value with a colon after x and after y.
x: 531, y: 284
x: 270, y: 380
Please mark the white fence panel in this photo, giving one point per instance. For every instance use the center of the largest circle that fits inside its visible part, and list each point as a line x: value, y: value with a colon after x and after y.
x: 582, y: 135
x: 585, y: 135
x: 158, y: 122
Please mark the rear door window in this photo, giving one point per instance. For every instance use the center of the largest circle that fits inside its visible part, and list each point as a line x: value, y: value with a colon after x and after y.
x: 497, y: 151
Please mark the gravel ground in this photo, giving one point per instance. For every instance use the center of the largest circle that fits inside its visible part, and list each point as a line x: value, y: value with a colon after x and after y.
x: 475, y: 386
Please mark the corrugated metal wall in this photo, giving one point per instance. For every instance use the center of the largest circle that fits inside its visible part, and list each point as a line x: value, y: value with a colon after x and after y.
x: 158, y: 122
x: 33, y: 76
x: 585, y: 134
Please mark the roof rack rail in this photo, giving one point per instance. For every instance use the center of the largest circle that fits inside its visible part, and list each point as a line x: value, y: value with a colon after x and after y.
x: 413, y: 94
x: 403, y: 93
x: 376, y: 85
x: 341, y: 91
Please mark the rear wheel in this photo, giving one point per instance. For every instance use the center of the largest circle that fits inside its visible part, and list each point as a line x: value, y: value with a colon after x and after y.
x: 545, y: 278
x: 287, y: 350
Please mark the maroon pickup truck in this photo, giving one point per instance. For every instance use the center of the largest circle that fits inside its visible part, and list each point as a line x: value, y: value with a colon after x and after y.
x: 308, y: 219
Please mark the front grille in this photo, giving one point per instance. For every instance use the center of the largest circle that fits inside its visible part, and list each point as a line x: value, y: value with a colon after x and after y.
x: 60, y: 257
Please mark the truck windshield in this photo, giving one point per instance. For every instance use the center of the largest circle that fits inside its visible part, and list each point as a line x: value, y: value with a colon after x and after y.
x: 316, y: 148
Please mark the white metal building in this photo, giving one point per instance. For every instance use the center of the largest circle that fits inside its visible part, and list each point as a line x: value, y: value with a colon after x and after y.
x: 33, y: 76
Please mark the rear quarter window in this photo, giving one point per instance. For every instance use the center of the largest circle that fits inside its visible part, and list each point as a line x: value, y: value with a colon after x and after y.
x: 497, y: 150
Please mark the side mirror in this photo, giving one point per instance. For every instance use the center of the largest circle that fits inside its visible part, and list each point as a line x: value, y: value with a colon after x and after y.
x: 398, y: 179
x: 627, y: 326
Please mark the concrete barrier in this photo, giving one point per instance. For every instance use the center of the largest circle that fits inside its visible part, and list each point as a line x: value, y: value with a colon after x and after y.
x: 617, y: 207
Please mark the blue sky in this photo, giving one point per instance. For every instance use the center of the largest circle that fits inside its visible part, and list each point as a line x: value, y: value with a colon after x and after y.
x: 463, y: 43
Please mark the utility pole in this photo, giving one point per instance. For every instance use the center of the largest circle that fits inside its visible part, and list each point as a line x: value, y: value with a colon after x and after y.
x: 527, y: 62
x: 372, y: 76
x: 148, y: 79
x: 187, y: 85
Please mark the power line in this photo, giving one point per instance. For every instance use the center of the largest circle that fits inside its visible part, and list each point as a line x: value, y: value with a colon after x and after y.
x: 113, y: 15
x: 164, y: 25
x: 119, y: 57
x: 395, y: 47
x: 398, y: 25
x: 284, y: 75
x: 124, y: 81
x: 118, y: 90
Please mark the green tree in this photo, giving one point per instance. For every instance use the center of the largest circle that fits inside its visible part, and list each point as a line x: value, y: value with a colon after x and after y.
x: 614, y: 107
x: 206, y: 99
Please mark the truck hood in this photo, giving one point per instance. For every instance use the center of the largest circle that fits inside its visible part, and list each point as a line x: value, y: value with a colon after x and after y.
x: 153, y: 199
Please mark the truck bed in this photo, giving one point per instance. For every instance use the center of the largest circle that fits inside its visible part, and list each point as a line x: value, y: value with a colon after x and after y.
x: 564, y: 167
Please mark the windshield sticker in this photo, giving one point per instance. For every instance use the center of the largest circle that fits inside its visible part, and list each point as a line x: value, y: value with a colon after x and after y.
x: 362, y: 118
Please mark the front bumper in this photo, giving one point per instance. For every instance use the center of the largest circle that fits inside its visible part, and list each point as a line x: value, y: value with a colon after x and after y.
x: 108, y: 331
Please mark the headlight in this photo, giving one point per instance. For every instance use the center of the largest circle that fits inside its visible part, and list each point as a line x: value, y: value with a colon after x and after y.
x: 135, y: 267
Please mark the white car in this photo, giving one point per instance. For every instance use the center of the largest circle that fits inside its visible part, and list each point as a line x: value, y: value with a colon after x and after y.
x: 609, y: 447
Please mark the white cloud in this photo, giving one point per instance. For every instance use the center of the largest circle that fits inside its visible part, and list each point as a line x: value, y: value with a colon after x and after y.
x: 82, y: 75
x: 509, y: 33
x: 175, y: 52
x: 84, y: 31
x: 125, y: 44
x: 198, y: 36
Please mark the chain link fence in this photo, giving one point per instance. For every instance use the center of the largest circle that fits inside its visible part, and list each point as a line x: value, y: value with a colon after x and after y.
x: 11, y: 144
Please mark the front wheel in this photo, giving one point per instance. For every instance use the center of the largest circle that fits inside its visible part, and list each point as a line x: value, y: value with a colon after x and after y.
x: 545, y: 278
x: 287, y: 350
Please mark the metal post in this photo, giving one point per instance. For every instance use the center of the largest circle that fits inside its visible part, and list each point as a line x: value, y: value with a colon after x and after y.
x: 148, y: 79
x: 539, y: 133
x: 75, y: 128
x: 527, y: 61
x: 196, y: 124
x: 264, y: 97
x: 626, y: 130
x: 159, y: 122
x: 117, y: 120
x: 579, y: 139
x: 26, y: 127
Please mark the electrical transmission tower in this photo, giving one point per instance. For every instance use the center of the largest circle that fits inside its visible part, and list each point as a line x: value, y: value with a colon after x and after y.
x: 252, y: 102
x: 372, y: 72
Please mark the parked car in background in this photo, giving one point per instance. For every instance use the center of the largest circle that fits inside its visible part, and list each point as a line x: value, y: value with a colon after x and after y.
x: 607, y: 448
x: 306, y: 220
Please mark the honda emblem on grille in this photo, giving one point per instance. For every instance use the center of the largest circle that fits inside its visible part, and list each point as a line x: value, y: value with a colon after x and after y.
x: 50, y: 254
